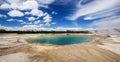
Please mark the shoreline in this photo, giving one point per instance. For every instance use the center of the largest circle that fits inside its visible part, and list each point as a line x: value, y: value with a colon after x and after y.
x: 50, y: 53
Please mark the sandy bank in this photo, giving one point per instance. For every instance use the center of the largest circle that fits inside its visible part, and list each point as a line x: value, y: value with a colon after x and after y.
x: 104, y: 49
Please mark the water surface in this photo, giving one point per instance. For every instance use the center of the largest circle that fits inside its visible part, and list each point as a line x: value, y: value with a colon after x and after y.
x: 61, y: 40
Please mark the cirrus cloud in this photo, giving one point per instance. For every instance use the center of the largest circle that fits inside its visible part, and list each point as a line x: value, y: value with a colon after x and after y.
x: 93, y: 7
x: 107, y: 23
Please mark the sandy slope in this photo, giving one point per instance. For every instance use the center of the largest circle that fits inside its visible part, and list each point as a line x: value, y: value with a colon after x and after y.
x: 76, y: 53
x: 113, y: 44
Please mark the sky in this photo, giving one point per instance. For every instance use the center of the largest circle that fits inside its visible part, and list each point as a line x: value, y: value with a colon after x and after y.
x: 59, y: 14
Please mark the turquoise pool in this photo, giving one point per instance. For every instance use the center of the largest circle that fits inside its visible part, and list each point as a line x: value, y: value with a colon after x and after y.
x: 61, y: 40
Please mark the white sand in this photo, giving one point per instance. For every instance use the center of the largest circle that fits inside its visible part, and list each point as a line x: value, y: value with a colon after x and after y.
x: 108, y: 51
x: 10, y: 42
x: 16, y: 57
x: 114, y: 47
x: 116, y: 39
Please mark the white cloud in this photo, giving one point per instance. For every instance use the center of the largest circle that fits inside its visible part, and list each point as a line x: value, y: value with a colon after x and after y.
x: 29, y: 23
x: 25, y: 27
x: 67, y: 28
x: 14, y: 1
x: 30, y: 26
x: 16, y: 7
x: 23, y: 23
x: 47, y: 24
x: 45, y: 1
x: 31, y: 18
x: 37, y: 22
x: 4, y: 6
x: 95, y: 6
x: 53, y: 23
x: 36, y: 12
x: 40, y: 27
x: 47, y: 18
x: 25, y: 4
x: 29, y: 4
x: 15, y: 13
x: 10, y: 20
x: 53, y: 12
x: 44, y: 6
x: 33, y: 27
x: 27, y: 13
x: 20, y: 21
x: 5, y: 27
x: 3, y: 16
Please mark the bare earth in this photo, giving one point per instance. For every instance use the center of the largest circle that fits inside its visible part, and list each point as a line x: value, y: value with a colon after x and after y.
x: 14, y: 48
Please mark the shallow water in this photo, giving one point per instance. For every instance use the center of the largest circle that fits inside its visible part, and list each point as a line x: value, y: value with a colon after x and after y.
x: 61, y: 40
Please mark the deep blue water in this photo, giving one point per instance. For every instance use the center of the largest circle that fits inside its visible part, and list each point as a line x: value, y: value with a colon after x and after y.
x: 61, y: 40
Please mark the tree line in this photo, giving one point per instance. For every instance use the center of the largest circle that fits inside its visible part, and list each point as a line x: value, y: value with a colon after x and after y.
x: 42, y: 31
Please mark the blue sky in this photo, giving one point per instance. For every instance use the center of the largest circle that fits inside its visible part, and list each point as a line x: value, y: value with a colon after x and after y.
x: 59, y: 14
